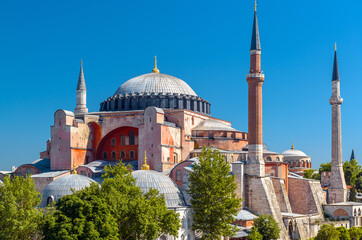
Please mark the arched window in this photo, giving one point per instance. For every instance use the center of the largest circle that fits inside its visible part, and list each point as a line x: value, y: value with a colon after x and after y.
x: 131, y: 137
x: 178, y: 175
x: 105, y: 155
x: 123, y: 154
x: 268, y: 159
x: 175, y: 160
x: 123, y: 140
x: 139, y: 100
x: 113, y: 155
x: 278, y: 159
x: 131, y: 154
x: 232, y: 158
x: 182, y: 237
x: 113, y: 142
x: 130, y: 103
x: 50, y: 199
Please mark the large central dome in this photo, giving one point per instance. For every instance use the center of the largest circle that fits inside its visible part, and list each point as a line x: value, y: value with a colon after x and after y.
x: 155, y: 83
x: 158, y: 90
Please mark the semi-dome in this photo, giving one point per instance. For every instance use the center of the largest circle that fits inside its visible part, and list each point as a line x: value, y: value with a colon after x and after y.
x: 155, y: 83
x: 158, y: 90
x: 213, y: 125
x: 146, y: 179
x: 63, y: 186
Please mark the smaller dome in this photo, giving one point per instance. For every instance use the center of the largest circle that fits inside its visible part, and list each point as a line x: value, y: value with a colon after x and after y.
x: 294, y: 152
x: 213, y: 125
x: 146, y: 179
x: 63, y: 186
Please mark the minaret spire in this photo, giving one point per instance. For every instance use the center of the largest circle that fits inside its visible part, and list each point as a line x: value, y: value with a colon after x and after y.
x: 255, y: 38
x: 337, y: 190
x: 81, y: 93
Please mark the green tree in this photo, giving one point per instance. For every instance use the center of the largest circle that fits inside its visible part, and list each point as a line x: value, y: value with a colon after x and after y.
x: 254, y: 234
x: 343, y: 233
x: 328, y: 232
x: 359, y: 183
x: 19, y: 217
x: 352, y: 194
x: 311, y: 174
x: 213, y: 198
x: 116, y: 210
x: 351, y: 169
x: 355, y: 233
x: 267, y: 227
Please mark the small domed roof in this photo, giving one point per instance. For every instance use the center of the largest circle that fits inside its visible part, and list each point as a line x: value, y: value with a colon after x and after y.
x: 146, y: 179
x: 294, y: 152
x: 63, y: 186
x: 213, y: 125
x: 155, y: 83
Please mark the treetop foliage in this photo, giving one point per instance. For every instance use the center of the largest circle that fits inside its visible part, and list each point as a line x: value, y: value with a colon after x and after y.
x: 213, y: 198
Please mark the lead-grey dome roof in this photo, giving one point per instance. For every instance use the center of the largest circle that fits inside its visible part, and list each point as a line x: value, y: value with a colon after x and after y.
x: 63, y: 186
x: 213, y: 125
x: 146, y: 179
x: 155, y: 83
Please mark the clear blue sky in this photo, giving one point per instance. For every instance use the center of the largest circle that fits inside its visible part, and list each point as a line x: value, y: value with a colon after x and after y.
x: 205, y: 43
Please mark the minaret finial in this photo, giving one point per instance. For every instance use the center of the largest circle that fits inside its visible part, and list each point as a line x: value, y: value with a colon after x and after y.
x: 145, y: 165
x: 255, y: 6
x: 292, y: 145
x: 74, y: 171
x: 335, y: 46
x: 155, y: 70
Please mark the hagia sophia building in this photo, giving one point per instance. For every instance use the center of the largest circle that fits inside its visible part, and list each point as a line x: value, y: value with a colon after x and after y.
x: 157, y: 124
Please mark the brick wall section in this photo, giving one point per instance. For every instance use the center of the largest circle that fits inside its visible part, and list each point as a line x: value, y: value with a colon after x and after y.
x: 281, y: 195
x: 260, y: 198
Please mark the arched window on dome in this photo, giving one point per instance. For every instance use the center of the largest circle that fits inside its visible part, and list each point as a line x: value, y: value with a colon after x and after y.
x: 116, y: 104
x: 113, y: 142
x: 50, y: 200
x: 176, y: 103
x: 113, y: 155
x: 122, y: 103
x: 131, y: 154
x: 184, y: 103
x: 192, y: 105
x: 123, y: 154
x: 105, y: 155
x: 167, y: 102
x: 139, y: 101
x: 130, y: 103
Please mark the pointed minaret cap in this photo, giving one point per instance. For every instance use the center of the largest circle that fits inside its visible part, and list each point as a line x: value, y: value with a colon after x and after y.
x: 255, y: 39
x: 81, y: 80
x: 335, y: 75
x: 352, y: 154
x: 292, y: 146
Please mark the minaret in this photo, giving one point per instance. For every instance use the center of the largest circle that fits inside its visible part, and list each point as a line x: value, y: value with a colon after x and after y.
x: 337, y: 191
x: 352, y: 155
x: 81, y: 94
x: 255, y: 79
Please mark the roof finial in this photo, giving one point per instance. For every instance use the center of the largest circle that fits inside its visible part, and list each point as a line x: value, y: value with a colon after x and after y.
x: 255, y: 6
x: 292, y: 145
x: 335, y: 46
x: 145, y: 165
x: 74, y: 171
x: 155, y: 70
x: 81, y: 62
